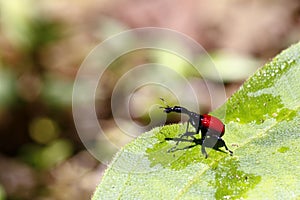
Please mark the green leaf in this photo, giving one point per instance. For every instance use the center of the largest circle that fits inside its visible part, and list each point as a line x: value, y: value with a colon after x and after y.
x: 262, y: 128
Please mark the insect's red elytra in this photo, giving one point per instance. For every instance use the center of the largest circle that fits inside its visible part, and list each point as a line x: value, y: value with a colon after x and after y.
x: 210, y: 127
x: 213, y: 123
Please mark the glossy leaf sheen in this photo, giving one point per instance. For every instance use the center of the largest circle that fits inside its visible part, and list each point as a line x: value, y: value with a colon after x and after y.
x: 262, y: 128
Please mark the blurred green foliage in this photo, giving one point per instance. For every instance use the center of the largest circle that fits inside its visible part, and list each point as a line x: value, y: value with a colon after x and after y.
x: 2, y: 193
x: 7, y: 88
x: 45, y: 157
x: 25, y: 26
x: 29, y: 89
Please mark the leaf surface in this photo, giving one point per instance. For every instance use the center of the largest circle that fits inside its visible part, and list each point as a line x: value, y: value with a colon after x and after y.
x: 262, y: 128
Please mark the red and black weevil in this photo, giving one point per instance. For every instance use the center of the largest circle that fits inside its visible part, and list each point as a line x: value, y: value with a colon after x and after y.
x: 212, y: 129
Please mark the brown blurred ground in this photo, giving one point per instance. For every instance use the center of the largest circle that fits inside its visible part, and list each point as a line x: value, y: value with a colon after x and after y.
x: 42, y: 44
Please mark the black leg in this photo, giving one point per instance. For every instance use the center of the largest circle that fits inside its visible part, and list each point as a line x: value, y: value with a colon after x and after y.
x: 186, y: 134
x: 222, y: 143
x: 187, y: 126
x: 204, y: 151
x: 173, y: 149
x: 180, y: 139
x: 203, y: 133
x: 211, y: 142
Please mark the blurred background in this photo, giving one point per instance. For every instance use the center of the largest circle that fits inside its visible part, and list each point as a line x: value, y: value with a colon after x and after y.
x: 43, y: 43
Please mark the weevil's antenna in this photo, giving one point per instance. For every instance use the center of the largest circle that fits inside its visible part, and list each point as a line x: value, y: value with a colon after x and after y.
x: 166, y: 104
